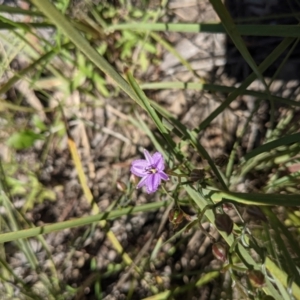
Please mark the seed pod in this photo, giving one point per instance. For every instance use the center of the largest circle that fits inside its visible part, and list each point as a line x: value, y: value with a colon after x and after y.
x: 257, y: 278
x: 221, y: 160
x: 227, y: 207
x: 176, y: 216
x: 197, y: 175
x: 255, y: 211
x: 224, y: 223
x: 267, y: 297
x: 121, y: 186
x: 219, y: 251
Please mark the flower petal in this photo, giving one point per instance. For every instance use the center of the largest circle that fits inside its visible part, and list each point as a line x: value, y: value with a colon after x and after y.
x: 142, y: 182
x: 158, y: 161
x: 153, y: 181
x: 163, y: 175
x: 138, y: 167
x: 148, y: 157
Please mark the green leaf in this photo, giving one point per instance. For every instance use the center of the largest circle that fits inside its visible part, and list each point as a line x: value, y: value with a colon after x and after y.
x: 38, y: 123
x: 16, y: 186
x: 23, y: 139
x: 144, y: 61
x: 37, y: 193
x: 150, y: 48
x: 100, y: 84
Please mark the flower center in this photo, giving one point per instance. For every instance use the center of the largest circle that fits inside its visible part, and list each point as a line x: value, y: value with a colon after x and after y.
x: 151, y: 170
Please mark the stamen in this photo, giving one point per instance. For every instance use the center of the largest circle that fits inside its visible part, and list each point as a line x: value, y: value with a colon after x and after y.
x: 151, y: 170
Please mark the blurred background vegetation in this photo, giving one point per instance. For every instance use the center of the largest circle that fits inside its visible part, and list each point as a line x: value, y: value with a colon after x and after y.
x: 86, y: 85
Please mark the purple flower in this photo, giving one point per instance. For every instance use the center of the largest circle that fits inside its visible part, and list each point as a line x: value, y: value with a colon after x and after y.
x: 151, y: 170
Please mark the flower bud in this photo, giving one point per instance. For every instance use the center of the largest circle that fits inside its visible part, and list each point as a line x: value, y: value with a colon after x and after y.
x: 221, y: 160
x: 176, y: 216
x: 197, y: 175
x: 257, y: 278
x: 224, y: 223
x: 121, y: 186
x: 219, y: 251
x: 134, y: 179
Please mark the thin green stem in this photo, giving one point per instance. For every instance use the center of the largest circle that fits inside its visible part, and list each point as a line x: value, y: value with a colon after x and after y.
x: 31, y: 232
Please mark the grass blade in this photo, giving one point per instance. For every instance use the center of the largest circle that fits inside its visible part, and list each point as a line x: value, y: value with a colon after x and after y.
x: 249, y: 30
x: 287, y: 140
x: 262, y: 67
x: 31, y: 232
x: 213, y: 88
x: 49, y: 10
